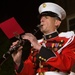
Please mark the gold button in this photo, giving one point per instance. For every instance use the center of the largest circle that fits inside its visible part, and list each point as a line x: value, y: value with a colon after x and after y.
x: 44, y: 59
x: 39, y: 57
x: 60, y: 45
x: 62, y: 41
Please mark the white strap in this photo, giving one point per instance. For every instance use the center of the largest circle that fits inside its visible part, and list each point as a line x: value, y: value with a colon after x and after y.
x: 66, y: 44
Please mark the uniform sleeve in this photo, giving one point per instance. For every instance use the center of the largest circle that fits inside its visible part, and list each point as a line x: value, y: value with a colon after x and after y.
x: 63, y: 61
x: 26, y: 68
x: 45, y: 53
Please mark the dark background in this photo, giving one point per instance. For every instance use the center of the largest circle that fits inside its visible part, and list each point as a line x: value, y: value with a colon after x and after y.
x: 26, y: 14
x: 24, y: 11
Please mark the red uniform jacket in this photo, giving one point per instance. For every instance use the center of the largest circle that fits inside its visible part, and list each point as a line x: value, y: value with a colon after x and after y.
x: 57, y: 53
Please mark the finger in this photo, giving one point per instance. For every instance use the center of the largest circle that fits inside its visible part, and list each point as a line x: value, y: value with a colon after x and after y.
x: 14, y: 43
x: 18, y: 52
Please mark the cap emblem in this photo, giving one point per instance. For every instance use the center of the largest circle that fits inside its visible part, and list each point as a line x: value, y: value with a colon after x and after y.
x: 44, y: 5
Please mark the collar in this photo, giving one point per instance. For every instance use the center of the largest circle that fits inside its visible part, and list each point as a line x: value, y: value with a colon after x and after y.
x: 51, y: 35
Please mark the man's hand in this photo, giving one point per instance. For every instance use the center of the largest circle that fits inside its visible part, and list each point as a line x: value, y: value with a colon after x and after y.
x: 33, y: 40
x: 17, y: 54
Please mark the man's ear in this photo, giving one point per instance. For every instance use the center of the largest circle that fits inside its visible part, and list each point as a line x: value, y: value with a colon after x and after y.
x: 57, y: 23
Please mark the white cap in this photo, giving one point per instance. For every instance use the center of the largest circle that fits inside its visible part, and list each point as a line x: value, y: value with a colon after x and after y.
x: 52, y: 7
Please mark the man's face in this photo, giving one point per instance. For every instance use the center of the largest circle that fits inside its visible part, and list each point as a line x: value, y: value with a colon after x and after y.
x: 48, y: 24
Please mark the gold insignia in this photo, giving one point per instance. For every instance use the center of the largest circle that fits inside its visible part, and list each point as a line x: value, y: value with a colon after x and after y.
x: 53, y: 45
x: 62, y: 41
x: 44, y: 5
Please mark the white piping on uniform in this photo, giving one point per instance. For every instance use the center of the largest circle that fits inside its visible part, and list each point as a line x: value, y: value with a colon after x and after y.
x: 66, y: 44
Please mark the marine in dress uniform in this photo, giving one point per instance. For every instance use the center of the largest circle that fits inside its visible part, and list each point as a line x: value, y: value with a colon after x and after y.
x: 57, y: 54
